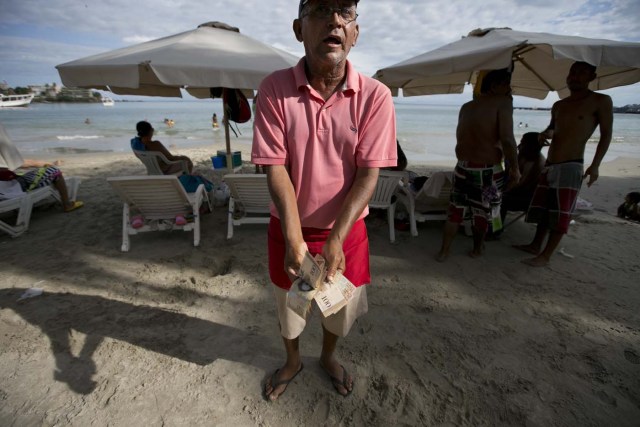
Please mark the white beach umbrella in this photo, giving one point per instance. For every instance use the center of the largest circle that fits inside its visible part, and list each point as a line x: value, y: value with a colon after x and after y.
x: 212, y: 55
x: 540, y: 62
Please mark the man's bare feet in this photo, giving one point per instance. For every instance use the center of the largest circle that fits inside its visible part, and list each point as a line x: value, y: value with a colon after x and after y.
x: 528, y: 248
x: 340, y: 378
x: 442, y: 256
x: 536, y: 262
x: 278, y: 382
x: 476, y: 254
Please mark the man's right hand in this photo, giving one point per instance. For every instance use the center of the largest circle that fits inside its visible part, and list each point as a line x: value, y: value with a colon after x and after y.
x: 544, y: 137
x: 514, y: 177
x: 293, y: 258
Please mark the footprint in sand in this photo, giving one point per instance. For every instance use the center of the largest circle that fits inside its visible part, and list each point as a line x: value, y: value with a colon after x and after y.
x: 632, y: 356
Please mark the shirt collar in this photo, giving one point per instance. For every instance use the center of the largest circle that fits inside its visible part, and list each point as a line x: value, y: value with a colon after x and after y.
x: 351, y: 83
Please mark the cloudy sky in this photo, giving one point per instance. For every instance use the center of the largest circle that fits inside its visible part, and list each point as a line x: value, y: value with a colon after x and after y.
x: 36, y: 35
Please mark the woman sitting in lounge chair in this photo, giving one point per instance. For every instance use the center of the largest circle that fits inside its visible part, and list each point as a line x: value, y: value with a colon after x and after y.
x: 144, y: 142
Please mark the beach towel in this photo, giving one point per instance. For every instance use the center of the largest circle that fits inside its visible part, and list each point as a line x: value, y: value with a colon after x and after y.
x: 192, y: 182
x: 554, y: 199
x: 10, y: 157
x: 38, y: 178
x: 10, y: 190
x: 236, y: 104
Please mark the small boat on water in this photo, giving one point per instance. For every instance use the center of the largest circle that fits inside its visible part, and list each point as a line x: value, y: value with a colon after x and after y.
x: 15, y: 100
x: 107, y: 102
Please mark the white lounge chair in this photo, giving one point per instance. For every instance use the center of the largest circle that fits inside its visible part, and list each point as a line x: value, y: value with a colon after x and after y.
x: 249, y: 202
x: 390, y: 183
x: 431, y: 202
x: 152, y: 159
x: 158, y: 199
x: 24, y: 205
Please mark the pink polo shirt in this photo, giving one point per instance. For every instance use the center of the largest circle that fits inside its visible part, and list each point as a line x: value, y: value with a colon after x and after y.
x: 323, y: 143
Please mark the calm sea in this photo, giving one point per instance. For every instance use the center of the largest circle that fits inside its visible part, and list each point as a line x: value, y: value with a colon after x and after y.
x: 426, y: 132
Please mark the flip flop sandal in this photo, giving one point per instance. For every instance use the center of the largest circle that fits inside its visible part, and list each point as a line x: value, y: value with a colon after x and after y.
x: 275, y: 384
x: 337, y: 383
x: 75, y: 206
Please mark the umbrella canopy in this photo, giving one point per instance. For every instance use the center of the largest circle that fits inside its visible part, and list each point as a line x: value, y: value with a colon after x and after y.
x: 9, y: 155
x: 540, y: 63
x: 212, y: 55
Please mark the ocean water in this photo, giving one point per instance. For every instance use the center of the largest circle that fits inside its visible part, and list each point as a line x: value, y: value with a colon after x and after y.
x: 426, y: 132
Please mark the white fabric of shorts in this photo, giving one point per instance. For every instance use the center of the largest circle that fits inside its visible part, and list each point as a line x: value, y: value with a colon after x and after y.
x: 292, y: 325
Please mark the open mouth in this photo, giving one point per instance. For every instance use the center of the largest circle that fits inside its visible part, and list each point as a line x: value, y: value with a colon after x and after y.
x: 333, y: 41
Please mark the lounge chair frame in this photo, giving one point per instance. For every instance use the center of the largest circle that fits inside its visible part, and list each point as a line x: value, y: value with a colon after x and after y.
x: 390, y: 184
x: 151, y: 160
x: 250, y: 200
x: 24, y: 205
x: 159, y: 199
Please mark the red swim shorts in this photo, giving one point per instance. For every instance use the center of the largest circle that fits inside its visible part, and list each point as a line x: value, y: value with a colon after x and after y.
x: 355, y: 247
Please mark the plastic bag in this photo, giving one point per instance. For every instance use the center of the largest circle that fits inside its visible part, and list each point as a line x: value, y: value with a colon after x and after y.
x: 221, y: 194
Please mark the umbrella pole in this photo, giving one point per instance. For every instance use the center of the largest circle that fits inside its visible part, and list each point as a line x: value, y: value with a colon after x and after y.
x: 227, y: 139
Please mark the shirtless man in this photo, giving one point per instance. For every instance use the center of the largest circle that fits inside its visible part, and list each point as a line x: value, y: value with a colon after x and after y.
x: 573, y: 121
x: 484, y: 135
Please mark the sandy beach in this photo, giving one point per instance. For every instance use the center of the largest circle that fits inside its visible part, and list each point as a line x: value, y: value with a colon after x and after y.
x: 168, y: 334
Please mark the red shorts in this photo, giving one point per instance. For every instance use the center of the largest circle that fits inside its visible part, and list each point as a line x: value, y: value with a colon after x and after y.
x: 355, y: 247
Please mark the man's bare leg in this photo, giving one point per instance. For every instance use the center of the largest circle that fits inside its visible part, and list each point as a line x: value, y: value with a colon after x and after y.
x: 289, y: 370
x: 61, y: 186
x: 449, y: 232
x: 544, y: 257
x: 478, y: 242
x: 331, y: 365
x: 536, y: 244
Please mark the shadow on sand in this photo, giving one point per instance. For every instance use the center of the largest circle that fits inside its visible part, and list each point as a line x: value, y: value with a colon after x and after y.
x: 160, y: 330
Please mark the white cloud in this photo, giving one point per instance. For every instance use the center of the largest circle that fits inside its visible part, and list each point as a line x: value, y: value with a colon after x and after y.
x: 390, y: 30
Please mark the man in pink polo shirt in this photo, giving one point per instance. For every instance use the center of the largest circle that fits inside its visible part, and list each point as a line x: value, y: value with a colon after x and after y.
x: 322, y: 131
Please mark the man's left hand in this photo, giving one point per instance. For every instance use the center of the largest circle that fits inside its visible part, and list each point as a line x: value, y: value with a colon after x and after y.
x: 334, y: 256
x: 593, y: 173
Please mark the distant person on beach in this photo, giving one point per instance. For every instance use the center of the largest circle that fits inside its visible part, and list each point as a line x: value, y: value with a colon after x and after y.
x: 322, y: 167
x: 144, y: 142
x: 630, y: 208
x: 573, y: 121
x: 484, y: 137
x: 214, y: 121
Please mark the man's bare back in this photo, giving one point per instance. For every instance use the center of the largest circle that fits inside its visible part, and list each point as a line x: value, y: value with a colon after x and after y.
x: 483, y: 125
